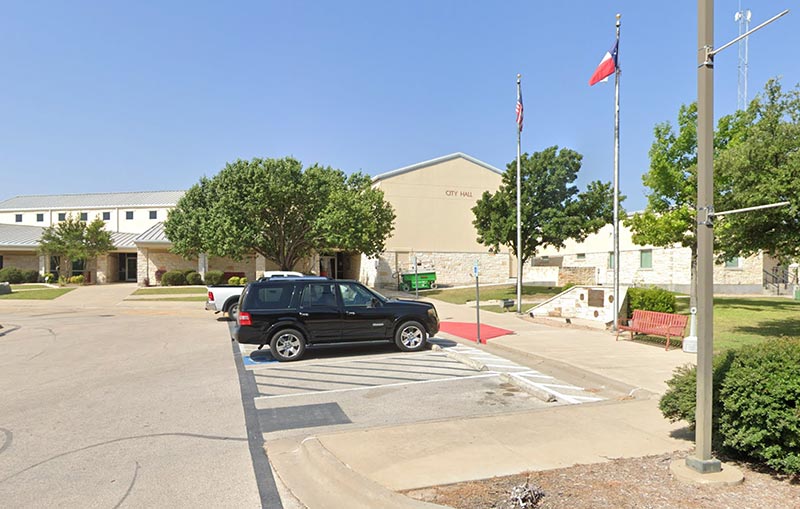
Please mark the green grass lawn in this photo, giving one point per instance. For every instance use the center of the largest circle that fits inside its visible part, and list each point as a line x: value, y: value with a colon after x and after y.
x: 742, y: 321
x: 172, y: 290
x: 462, y: 295
x: 37, y: 294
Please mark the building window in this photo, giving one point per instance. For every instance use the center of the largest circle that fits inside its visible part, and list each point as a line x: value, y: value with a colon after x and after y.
x: 153, y: 214
x: 84, y: 216
x: 611, y: 260
x: 62, y: 216
x: 129, y: 214
x: 106, y: 216
x: 39, y: 218
x: 1, y: 261
x: 581, y: 256
x: 18, y: 218
x: 646, y: 259
x: 733, y: 263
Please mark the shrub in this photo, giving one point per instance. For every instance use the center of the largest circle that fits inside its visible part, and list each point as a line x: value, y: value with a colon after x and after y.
x: 243, y: 280
x: 680, y: 400
x: 234, y: 280
x: 173, y: 278
x: 76, y: 280
x: 193, y: 278
x: 12, y: 275
x: 760, y: 414
x: 650, y: 299
x: 213, y: 277
x: 49, y: 278
x: 30, y: 276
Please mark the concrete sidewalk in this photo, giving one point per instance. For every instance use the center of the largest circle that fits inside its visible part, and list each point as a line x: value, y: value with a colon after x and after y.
x: 431, y: 453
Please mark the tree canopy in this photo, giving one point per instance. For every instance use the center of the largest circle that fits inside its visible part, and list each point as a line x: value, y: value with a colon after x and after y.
x: 761, y: 167
x: 552, y: 208
x: 72, y: 239
x: 277, y: 209
x: 755, y: 163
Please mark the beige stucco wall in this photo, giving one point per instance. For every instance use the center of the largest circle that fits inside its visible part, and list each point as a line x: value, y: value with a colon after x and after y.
x: 433, y: 206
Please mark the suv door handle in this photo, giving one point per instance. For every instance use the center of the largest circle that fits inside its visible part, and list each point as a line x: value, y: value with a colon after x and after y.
x: 351, y: 313
x: 303, y: 314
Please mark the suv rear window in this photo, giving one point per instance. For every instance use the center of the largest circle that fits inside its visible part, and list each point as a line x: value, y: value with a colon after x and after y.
x: 270, y: 297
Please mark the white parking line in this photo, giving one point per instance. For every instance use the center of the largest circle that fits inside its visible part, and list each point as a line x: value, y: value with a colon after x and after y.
x: 351, y: 389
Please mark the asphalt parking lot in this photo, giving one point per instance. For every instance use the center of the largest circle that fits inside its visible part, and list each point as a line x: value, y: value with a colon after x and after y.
x: 368, y: 385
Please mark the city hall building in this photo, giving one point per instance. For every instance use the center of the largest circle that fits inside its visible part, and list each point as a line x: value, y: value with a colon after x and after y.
x: 433, y: 203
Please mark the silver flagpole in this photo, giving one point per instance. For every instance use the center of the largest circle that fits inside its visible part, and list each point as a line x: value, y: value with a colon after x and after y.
x: 519, y: 209
x: 616, y: 189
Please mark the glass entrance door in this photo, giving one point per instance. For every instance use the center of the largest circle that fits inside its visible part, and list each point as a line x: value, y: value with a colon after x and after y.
x: 127, y: 267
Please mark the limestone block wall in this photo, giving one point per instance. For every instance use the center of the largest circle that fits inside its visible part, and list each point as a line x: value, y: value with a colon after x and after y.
x: 541, y: 274
x: 450, y: 268
x: 586, y: 302
x: 22, y: 261
x: 103, y: 270
x: 577, y: 276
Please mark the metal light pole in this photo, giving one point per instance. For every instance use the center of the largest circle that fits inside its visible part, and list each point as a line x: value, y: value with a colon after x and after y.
x: 702, y: 460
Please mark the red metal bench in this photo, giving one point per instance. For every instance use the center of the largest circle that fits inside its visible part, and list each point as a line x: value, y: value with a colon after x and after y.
x: 655, y: 324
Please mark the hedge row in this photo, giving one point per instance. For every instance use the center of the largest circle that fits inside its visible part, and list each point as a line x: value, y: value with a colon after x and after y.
x: 18, y: 276
x: 181, y: 277
x: 650, y: 299
x: 756, y: 402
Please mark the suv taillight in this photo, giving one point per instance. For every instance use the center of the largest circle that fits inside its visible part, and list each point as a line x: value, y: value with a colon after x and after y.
x: 210, y: 296
x: 244, y: 318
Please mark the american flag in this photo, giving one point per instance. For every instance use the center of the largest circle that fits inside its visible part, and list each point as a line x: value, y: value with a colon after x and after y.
x: 519, y: 108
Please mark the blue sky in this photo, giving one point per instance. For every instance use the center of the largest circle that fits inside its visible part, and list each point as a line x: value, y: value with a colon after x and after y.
x: 136, y: 96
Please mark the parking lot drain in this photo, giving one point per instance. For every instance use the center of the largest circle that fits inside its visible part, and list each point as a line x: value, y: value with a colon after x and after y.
x: 301, y: 416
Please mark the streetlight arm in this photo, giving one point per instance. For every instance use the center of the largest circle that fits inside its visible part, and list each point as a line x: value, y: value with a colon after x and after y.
x: 711, y: 53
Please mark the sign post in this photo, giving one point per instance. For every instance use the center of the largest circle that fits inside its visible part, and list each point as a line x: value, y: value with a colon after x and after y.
x: 477, y: 300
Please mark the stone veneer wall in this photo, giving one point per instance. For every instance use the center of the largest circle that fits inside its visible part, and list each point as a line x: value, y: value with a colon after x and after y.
x: 450, y: 268
x: 22, y: 261
x: 671, y: 269
x: 577, y: 276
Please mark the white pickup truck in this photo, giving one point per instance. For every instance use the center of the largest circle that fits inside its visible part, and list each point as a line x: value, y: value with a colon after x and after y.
x: 225, y: 298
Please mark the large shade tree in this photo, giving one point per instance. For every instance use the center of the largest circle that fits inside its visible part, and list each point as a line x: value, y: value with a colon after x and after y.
x: 755, y: 163
x: 553, y: 209
x: 74, y: 240
x: 763, y: 167
x: 281, y: 211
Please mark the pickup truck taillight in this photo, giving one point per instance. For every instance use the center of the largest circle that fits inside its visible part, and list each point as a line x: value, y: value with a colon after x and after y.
x: 244, y: 318
x: 210, y: 296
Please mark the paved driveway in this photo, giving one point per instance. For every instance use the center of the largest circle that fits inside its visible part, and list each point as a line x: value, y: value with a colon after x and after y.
x: 118, y: 407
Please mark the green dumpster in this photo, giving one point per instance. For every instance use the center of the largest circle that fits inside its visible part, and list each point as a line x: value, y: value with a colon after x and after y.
x: 419, y: 281
x: 797, y: 292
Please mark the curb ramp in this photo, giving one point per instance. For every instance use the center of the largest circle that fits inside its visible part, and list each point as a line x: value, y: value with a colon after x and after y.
x: 319, y: 480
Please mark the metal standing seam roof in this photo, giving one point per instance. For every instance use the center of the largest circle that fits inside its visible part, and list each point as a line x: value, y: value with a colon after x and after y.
x: 432, y: 162
x: 153, y: 235
x: 13, y: 235
x: 93, y: 200
x: 23, y: 236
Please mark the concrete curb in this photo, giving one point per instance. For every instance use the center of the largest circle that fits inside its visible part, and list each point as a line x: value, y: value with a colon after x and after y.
x: 319, y: 480
x: 533, y: 391
x: 463, y: 359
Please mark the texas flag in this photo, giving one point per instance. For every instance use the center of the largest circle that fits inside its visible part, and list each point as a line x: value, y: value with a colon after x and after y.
x: 607, y: 66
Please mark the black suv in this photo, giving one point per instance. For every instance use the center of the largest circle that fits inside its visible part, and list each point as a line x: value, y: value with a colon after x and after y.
x: 290, y: 313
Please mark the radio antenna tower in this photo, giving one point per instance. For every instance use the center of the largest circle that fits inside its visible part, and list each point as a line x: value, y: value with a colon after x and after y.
x: 743, y: 18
